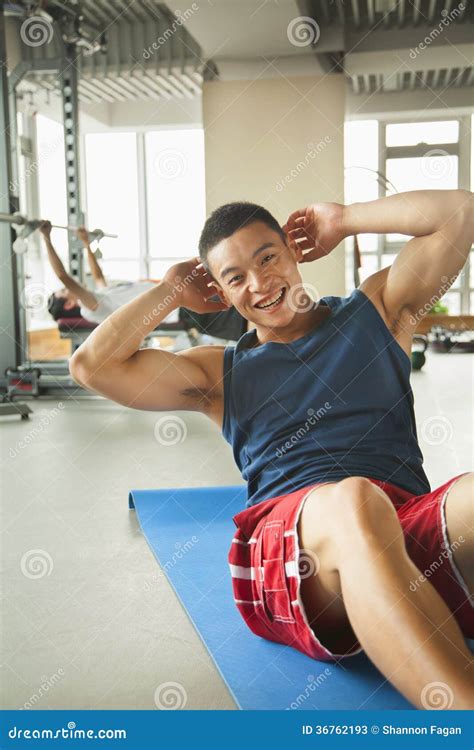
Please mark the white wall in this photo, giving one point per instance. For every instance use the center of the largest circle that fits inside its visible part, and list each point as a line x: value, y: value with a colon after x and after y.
x: 145, y: 115
x: 261, y: 139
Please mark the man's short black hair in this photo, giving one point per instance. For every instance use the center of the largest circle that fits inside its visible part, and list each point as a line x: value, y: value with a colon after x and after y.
x: 231, y: 217
x: 56, y: 308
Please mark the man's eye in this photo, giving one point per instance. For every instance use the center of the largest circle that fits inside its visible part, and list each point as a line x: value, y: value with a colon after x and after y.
x: 268, y: 257
x: 235, y: 279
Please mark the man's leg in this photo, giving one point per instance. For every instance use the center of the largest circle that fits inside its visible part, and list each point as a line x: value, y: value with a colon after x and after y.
x: 460, y: 526
x: 410, y: 635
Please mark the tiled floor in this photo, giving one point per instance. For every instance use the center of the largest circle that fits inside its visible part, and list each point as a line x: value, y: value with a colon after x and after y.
x: 101, y: 628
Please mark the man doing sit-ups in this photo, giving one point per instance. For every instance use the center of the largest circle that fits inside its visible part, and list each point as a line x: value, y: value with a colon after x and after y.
x: 75, y: 300
x: 317, y: 405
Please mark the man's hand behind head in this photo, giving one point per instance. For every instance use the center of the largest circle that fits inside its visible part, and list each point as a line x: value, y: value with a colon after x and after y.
x: 192, y: 287
x: 317, y: 229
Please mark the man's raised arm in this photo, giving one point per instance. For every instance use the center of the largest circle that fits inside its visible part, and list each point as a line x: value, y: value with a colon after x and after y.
x: 85, y: 296
x: 442, y: 225
x: 111, y: 362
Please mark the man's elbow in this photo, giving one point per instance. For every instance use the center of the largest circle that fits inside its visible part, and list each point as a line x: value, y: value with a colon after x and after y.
x: 81, y: 371
x: 465, y: 216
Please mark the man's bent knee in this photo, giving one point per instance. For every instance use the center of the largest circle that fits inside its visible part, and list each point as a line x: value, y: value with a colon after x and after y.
x: 367, y: 512
x: 335, y: 516
x: 362, y: 499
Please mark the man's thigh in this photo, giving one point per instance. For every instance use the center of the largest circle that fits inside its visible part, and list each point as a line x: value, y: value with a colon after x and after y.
x: 460, y: 525
x: 320, y: 590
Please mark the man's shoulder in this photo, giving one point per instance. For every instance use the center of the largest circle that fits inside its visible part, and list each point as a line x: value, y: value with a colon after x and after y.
x: 210, y: 358
x: 211, y: 398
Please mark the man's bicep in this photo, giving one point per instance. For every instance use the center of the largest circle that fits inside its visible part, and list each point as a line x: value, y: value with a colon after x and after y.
x: 150, y: 380
x: 423, y: 271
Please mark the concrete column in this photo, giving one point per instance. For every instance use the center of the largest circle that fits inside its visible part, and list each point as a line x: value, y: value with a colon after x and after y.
x: 279, y: 143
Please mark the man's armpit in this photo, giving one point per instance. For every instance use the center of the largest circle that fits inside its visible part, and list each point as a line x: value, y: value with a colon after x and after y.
x: 199, y: 397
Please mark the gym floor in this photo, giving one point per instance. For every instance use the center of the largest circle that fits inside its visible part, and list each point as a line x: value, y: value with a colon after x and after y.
x: 102, y: 628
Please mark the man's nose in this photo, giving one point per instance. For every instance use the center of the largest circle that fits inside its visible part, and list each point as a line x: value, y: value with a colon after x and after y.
x: 259, y: 281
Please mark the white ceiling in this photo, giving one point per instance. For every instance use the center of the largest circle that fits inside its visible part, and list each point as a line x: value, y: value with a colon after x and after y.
x: 370, y: 41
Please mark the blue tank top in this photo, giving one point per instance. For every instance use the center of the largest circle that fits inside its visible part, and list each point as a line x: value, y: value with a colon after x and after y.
x: 336, y: 402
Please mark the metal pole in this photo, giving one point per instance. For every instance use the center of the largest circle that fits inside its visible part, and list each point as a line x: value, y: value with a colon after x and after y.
x: 10, y: 344
x: 69, y: 83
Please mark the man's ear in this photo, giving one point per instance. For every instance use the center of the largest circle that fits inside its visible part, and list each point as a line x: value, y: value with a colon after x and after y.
x: 214, y: 287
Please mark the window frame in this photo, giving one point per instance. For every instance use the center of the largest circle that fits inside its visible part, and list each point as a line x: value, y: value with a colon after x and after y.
x: 461, y: 149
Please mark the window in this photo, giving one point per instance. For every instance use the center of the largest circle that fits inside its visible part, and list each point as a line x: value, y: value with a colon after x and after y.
x: 411, y: 156
x: 149, y: 189
x: 412, y: 133
x: 361, y: 184
x: 52, y: 185
x: 433, y: 171
x: 43, y: 193
x: 112, y: 200
x: 175, y: 195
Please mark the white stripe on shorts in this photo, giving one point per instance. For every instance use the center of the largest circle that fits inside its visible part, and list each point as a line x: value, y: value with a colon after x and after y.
x: 248, y: 573
x: 239, y: 541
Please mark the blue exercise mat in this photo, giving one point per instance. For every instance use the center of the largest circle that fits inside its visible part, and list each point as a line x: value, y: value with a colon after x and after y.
x: 190, y: 532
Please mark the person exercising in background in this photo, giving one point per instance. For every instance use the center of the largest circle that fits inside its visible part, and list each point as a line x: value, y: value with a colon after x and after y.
x: 76, y: 300
x: 343, y: 545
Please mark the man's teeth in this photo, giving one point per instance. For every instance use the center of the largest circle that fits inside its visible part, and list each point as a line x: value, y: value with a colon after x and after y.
x: 272, y: 301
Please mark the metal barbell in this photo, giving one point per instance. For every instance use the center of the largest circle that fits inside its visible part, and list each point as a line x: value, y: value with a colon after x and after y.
x: 24, y: 227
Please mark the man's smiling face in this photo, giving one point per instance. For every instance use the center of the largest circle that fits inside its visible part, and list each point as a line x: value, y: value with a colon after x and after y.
x: 255, y: 270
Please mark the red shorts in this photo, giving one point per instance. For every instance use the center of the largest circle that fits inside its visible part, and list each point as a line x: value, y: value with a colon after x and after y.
x: 266, y: 578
